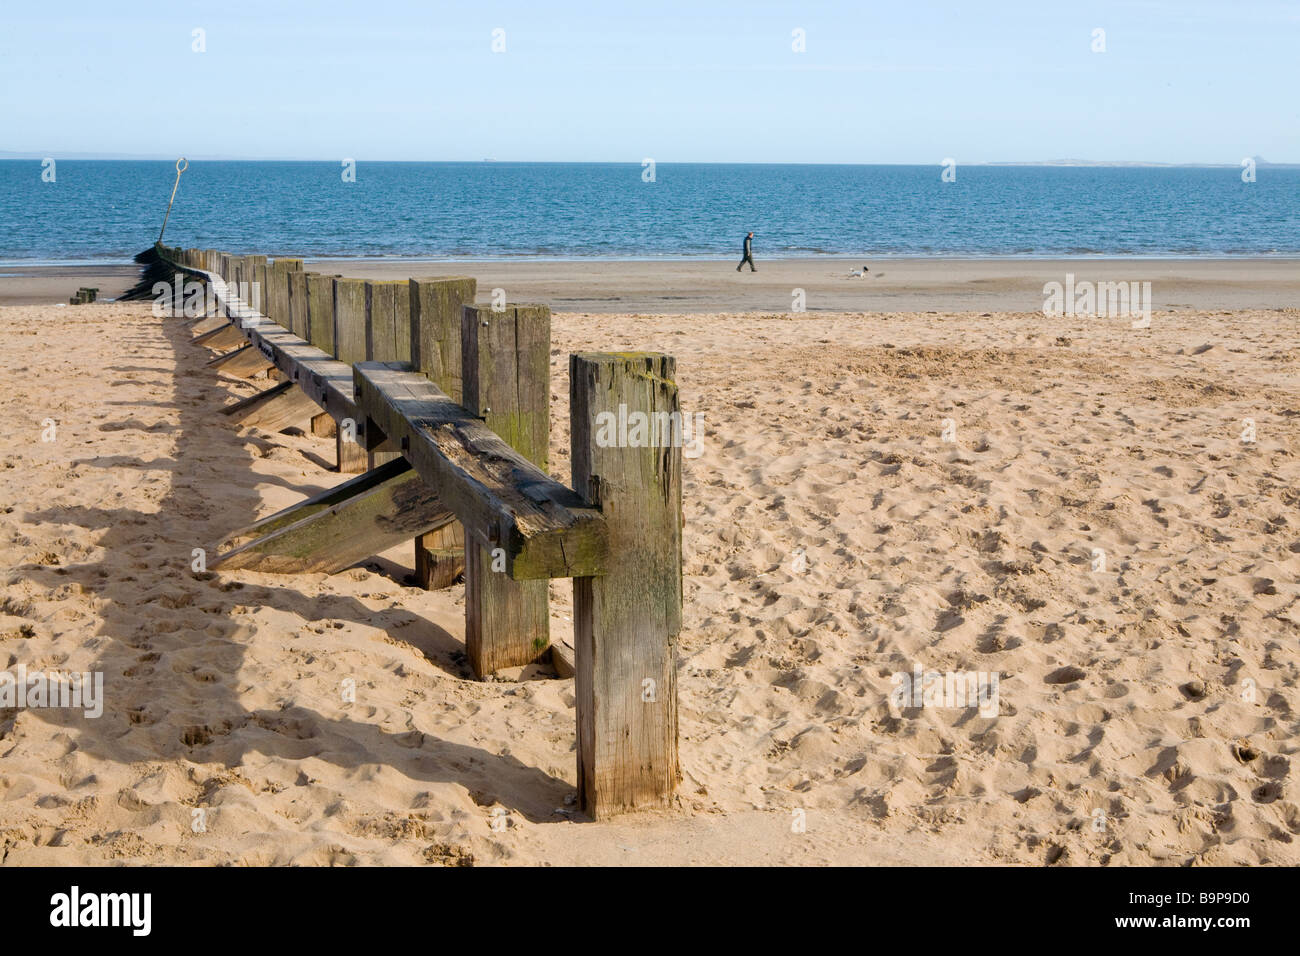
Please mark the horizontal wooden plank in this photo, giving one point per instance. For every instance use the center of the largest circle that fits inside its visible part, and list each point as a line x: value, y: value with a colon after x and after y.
x: 327, y: 381
x: 275, y: 409
x: 370, y: 521
x: 225, y: 337
x: 317, y: 502
x: 244, y: 362
x: 545, y: 529
x: 209, y: 324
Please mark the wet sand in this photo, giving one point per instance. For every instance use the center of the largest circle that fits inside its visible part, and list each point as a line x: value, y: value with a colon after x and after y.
x: 891, y: 285
x: 48, y: 285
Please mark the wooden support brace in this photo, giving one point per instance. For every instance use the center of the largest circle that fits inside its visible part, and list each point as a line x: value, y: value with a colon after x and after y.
x: 223, y: 338
x: 316, y: 503
x: 245, y: 362
x: 277, y: 408
x: 337, y: 536
x: 209, y: 324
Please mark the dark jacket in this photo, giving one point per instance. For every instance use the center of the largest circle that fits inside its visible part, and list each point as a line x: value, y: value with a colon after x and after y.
x: 748, y: 240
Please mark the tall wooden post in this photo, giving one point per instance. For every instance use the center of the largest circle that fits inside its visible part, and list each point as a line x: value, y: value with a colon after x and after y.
x: 506, y: 370
x: 320, y: 312
x: 350, y: 347
x: 238, y: 276
x: 298, y: 305
x: 435, y: 329
x: 257, y: 290
x: 320, y: 333
x: 277, y: 293
x: 388, y: 321
x: 435, y: 351
x: 388, y: 339
x: 626, y: 622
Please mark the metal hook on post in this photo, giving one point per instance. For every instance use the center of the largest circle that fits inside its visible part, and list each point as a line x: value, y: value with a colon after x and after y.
x: 182, y: 164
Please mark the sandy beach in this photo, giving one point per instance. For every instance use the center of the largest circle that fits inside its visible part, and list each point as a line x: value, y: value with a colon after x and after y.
x: 890, y: 285
x: 905, y: 476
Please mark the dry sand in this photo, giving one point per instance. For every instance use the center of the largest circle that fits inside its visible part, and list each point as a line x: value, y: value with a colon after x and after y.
x: 1147, y: 712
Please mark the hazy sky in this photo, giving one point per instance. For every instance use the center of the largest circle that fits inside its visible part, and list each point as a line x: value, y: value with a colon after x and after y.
x: 904, y: 81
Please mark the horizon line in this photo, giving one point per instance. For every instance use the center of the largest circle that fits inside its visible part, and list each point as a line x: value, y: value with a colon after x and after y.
x: 37, y: 156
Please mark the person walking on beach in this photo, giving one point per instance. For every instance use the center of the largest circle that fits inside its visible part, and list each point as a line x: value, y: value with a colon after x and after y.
x: 749, y: 255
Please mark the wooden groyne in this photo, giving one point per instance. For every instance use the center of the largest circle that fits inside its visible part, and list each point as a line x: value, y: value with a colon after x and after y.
x: 441, y: 408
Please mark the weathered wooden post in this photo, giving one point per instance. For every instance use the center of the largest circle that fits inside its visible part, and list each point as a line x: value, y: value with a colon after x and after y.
x: 506, y: 381
x: 320, y: 312
x: 277, y: 294
x: 236, y: 276
x: 320, y: 333
x: 388, y: 321
x: 227, y: 270
x: 298, y: 305
x: 257, y: 291
x: 388, y: 339
x: 249, y: 290
x: 626, y: 430
x: 232, y: 280
x: 350, y: 347
x: 435, y: 352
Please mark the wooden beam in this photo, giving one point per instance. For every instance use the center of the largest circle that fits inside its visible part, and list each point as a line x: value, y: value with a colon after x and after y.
x: 328, y: 382
x: 440, y: 556
x: 506, y: 373
x: 351, y: 530
x: 626, y: 622
x: 318, y: 502
x: 244, y: 362
x: 275, y: 409
x: 225, y: 337
x: 208, y: 324
x: 545, y: 529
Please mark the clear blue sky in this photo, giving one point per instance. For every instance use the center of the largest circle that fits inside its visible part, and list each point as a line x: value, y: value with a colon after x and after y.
x: 903, y: 81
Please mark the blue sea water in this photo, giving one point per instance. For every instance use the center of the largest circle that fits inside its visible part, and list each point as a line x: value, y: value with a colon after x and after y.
x: 108, y: 210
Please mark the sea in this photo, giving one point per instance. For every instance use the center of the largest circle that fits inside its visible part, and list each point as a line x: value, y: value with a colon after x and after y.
x: 90, y: 211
